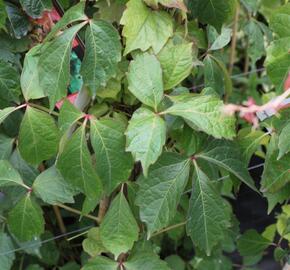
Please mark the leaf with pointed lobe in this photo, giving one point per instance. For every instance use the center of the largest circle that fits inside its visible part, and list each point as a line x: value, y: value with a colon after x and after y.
x: 146, y: 135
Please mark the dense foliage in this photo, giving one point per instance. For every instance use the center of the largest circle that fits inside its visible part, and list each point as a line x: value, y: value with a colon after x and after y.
x: 142, y: 167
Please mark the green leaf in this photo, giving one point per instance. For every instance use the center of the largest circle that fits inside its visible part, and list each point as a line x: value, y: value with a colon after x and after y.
x: 3, y: 15
x: 54, y: 65
x: 249, y: 140
x: 214, y: 12
x: 68, y: 115
x: 279, y: 20
x: 52, y: 188
x: 216, y: 76
x: 103, y: 52
x: 167, y: 3
x: 159, y: 194
x: 251, y: 243
x: 93, y: 244
x: 6, y: 112
x: 228, y: 156
x: 6, y: 261
x: 35, y: 8
x: 9, y: 82
x: 119, y: 229
x: 100, y: 263
x: 205, y: 113
x: 25, y: 220
x: 145, y: 79
x: 75, y: 164
x: 222, y: 40
x: 255, y: 35
x: 74, y: 14
x: 276, y: 172
x: 176, y: 62
x: 146, y: 135
x: 29, y: 80
x: 149, y: 29
x: 19, y: 23
x: 143, y: 258
x: 284, y: 142
x: 208, y: 217
x: 8, y: 175
x: 113, y: 164
x: 6, y: 145
x: 38, y: 136
x: 278, y: 61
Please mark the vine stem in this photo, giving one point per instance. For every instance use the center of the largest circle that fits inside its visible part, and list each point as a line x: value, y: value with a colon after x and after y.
x: 42, y: 108
x: 75, y: 211
x: 234, y: 40
x: 169, y: 228
x: 104, y: 204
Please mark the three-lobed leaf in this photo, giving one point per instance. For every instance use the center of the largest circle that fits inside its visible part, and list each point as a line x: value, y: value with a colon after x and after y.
x: 145, y: 28
x: 205, y: 113
x: 252, y: 243
x: 176, y: 62
x: 146, y: 135
x: 159, y: 194
x: 119, y: 229
x: 227, y: 155
x: 38, y: 136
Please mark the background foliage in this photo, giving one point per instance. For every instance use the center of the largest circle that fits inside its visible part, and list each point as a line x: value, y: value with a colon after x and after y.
x: 143, y: 170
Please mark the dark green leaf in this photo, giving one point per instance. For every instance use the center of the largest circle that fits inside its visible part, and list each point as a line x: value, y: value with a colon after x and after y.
x: 9, y: 82
x: 251, y: 243
x: 159, y: 194
x: 35, y: 8
x: 75, y: 164
x: 103, y: 52
x: 38, y: 136
x: 208, y: 217
x: 101, y: 263
x: 6, y: 245
x: 227, y: 155
x: 54, y: 65
x: 113, y: 164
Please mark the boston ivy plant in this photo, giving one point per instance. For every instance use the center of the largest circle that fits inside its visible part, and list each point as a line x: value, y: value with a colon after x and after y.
x: 142, y: 164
